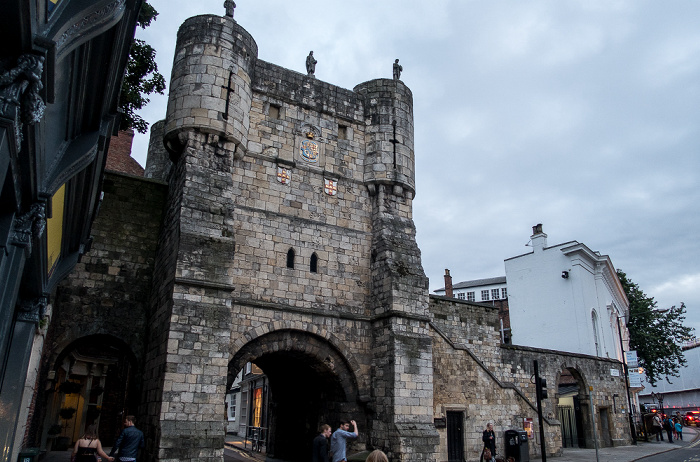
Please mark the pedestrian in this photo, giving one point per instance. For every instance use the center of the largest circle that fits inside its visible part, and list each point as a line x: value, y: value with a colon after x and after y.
x: 377, y: 456
x: 656, y: 426
x: 89, y: 447
x: 668, y: 426
x: 489, y: 439
x: 320, y: 445
x: 129, y: 442
x: 339, y: 440
x: 679, y: 429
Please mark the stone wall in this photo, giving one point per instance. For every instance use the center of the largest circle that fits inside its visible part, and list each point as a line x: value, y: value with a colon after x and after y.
x: 491, y: 382
x: 108, y: 291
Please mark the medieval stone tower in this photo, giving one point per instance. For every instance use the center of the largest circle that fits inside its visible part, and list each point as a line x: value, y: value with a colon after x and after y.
x: 288, y: 242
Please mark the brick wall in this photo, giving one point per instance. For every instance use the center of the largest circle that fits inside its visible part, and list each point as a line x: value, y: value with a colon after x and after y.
x: 119, y: 155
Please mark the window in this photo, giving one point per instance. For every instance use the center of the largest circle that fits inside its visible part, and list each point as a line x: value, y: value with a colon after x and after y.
x: 494, y: 294
x: 504, y: 293
x: 485, y: 295
x: 594, y: 318
x: 313, y: 266
x: 290, y: 259
x: 257, y: 407
x: 470, y: 296
x: 232, y: 407
x: 342, y: 132
x: 274, y: 111
x: 460, y: 295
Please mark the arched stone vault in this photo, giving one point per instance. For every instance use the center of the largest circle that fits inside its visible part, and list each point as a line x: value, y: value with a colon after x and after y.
x: 325, y: 350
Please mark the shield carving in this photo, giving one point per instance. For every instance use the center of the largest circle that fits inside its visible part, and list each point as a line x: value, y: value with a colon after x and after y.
x: 284, y: 176
x: 309, y: 150
x: 330, y: 187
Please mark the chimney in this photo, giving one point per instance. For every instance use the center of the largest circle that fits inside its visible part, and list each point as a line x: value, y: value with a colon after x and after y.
x: 538, y: 238
x: 448, y: 284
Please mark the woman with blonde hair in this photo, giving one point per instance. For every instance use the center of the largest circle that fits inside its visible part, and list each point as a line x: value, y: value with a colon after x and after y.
x: 88, y: 447
x: 377, y: 456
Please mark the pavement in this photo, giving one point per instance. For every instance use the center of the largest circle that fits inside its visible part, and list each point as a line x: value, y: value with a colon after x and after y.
x: 617, y: 454
x: 627, y: 453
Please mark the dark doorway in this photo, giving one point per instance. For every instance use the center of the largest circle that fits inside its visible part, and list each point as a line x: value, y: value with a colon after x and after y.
x: 605, y: 437
x: 305, y: 384
x: 91, y: 385
x: 455, y: 436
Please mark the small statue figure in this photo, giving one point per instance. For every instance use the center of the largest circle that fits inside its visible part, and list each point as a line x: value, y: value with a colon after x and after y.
x: 311, y: 64
x: 397, y: 70
x: 230, y: 5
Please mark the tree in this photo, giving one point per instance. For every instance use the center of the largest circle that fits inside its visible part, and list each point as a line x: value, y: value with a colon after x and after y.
x: 141, y: 78
x: 656, y: 334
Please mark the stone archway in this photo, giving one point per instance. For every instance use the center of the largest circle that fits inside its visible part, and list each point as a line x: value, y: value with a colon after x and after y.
x: 573, y: 409
x: 310, y: 383
x: 95, y: 376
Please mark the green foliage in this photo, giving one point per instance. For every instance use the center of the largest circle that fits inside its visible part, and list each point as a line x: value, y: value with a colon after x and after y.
x: 656, y: 334
x: 141, y: 78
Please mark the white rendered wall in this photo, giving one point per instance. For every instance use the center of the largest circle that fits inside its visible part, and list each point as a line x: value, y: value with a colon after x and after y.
x: 548, y: 311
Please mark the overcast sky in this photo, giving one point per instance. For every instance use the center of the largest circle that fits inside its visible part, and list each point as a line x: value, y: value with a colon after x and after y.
x: 580, y: 115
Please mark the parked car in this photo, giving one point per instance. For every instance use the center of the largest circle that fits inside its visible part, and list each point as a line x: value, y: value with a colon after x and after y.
x: 692, y: 418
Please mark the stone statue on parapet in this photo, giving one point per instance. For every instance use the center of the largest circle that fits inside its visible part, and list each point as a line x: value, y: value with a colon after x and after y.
x: 230, y: 5
x: 397, y: 70
x: 311, y: 64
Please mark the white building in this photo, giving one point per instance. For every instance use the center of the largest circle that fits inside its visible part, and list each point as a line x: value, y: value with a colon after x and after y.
x: 566, y: 297
x: 683, y: 393
x: 479, y: 290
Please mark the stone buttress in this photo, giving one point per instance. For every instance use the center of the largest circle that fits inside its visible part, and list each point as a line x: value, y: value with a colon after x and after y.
x: 402, y: 362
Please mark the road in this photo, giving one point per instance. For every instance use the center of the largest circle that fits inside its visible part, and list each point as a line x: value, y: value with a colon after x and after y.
x: 689, y: 453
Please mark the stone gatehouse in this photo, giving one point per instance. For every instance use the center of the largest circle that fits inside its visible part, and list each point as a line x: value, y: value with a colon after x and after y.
x: 278, y: 230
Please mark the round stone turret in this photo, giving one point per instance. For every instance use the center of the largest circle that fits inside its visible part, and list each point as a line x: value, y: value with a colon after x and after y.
x: 210, y: 87
x: 157, y: 161
x: 390, y: 159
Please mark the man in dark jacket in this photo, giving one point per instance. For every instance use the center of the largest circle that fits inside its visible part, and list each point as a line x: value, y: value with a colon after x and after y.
x: 320, y: 446
x: 129, y: 442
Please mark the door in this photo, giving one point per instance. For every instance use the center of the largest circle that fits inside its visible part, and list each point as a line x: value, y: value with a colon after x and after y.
x: 455, y: 436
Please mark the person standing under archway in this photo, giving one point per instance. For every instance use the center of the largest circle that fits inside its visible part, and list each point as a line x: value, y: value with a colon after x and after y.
x: 320, y: 445
x: 339, y: 440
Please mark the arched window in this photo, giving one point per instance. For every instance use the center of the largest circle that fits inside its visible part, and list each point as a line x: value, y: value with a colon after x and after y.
x: 313, y: 266
x: 594, y: 318
x: 290, y: 258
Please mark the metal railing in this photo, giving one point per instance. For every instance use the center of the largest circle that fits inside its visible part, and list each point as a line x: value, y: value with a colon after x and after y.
x: 256, y: 436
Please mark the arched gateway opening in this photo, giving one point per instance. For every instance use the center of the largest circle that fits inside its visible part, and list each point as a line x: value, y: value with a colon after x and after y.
x: 91, y: 384
x: 303, y: 382
x: 573, y: 409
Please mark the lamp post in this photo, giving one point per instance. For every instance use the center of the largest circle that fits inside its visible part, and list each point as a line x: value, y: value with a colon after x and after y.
x: 660, y: 398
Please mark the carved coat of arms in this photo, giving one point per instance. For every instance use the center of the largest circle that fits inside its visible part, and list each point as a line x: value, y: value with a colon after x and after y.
x: 309, y: 148
x: 284, y: 176
x: 330, y: 187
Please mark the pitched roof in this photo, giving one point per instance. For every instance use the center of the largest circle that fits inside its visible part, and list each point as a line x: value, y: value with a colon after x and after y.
x: 476, y: 283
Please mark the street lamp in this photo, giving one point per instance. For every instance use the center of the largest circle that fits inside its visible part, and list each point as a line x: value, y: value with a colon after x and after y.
x: 660, y: 398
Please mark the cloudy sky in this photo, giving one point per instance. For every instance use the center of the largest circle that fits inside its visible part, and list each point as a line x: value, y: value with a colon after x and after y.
x: 581, y: 115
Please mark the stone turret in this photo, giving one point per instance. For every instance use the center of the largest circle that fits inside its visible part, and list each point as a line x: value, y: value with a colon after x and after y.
x: 158, y: 163
x: 210, y: 88
x: 390, y: 158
